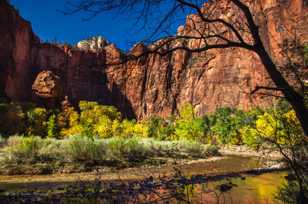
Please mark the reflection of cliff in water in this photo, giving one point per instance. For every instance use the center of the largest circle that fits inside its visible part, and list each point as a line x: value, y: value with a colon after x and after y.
x: 260, y: 189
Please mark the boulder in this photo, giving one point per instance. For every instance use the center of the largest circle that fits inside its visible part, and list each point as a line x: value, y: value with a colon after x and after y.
x: 47, y: 85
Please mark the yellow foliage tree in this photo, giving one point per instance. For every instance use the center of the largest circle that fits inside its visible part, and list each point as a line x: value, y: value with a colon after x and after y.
x: 278, y: 128
x: 68, y: 122
x: 37, y: 121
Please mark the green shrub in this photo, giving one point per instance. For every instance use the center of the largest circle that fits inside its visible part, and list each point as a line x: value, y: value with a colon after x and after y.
x: 84, y: 149
x: 133, y: 150
x: 193, y: 129
x: 188, y: 126
x: 24, y: 149
x: 52, y: 127
x: 2, y: 139
x: 211, y: 150
x: 37, y: 122
x: 52, y: 150
x: 226, y: 124
x: 159, y: 128
x: 179, y: 148
x: 129, y: 150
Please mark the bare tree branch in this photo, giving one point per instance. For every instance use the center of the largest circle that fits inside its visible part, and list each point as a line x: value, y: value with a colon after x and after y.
x: 217, y: 34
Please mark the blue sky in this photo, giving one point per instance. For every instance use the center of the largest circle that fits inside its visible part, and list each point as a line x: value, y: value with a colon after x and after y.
x: 50, y: 24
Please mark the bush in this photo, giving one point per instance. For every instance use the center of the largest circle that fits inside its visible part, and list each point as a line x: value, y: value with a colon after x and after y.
x: 274, y: 127
x: 130, y: 150
x: 52, y: 150
x: 128, y: 129
x: 188, y: 126
x: 226, y: 124
x: 193, y: 129
x: 24, y: 149
x: 37, y: 122
x: 103, y: 128
x: 52, y: 127
x: 159, y: 128
x: 2, y: 139
x: 84, y: 149
x: 68, y: 123
x: 97, y: 119
x: 134, y: 151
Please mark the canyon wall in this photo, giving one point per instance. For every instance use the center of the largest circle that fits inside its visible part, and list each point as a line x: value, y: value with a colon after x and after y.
x: 46, y: 73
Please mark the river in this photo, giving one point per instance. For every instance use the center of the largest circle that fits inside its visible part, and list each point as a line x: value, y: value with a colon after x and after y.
x: 213, y: 181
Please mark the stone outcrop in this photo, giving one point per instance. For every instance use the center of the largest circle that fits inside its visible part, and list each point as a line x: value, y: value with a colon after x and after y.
x: 95, y: 44
x: 152, y: 84
x: 47, y: 85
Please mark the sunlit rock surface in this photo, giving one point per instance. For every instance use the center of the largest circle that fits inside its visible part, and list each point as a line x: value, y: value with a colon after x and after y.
x: 93, y: 44
x: 47, y: 85
x: 152, y: 84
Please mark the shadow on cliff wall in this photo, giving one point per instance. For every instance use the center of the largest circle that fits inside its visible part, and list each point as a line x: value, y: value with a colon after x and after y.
x: 112, y: 96
x: 98, y: 89
x: 120, y: 101
x: 3, y: 96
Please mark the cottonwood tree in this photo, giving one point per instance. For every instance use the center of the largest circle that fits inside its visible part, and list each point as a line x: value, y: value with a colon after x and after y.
x: 211, y: 30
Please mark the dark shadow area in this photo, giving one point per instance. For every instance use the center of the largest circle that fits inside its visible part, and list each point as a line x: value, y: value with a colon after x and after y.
x: 3, y: 96
x: 120, y: 101
x: 111, y: 96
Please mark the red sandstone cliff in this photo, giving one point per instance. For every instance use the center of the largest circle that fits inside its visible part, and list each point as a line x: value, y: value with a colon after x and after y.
x: 153, y: 84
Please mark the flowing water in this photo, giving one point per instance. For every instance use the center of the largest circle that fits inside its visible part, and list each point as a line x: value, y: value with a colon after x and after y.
x: 260, y: 189
x: 186, y: 186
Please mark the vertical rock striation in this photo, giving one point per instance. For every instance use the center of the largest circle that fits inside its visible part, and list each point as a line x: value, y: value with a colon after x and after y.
x: 152, y: 84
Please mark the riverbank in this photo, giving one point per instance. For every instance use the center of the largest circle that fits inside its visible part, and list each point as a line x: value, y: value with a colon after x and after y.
x: 36, y: 156
x: 212, y: 167
x: 243, y: 150
x: 89, y: 188
x: 228, y: 163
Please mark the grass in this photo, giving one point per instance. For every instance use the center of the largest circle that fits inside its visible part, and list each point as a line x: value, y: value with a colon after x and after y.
x: 2, y: 139
x: 97, y: 152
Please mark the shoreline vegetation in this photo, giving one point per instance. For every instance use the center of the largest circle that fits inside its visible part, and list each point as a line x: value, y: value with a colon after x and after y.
x: 37, y: 156
x: 94, y: 153
x: 97, y: 137
x: 83, y: 154
x: 41, y: 147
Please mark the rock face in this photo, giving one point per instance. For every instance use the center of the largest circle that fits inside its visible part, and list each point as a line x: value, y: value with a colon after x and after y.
x: 152, y: 84
x: 47, y: 85
x: 95, y: 44
x: 16, y: 45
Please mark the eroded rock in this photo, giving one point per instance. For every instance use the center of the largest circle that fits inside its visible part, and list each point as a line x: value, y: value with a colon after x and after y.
x: 47, y: 85
x: 156, y: 84
x: 94, y: 44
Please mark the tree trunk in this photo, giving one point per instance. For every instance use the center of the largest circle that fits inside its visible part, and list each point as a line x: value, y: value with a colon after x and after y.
x: 293, y: 97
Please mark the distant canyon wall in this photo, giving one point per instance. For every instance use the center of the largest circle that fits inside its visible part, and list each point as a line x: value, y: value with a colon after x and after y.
x: 46, y: 73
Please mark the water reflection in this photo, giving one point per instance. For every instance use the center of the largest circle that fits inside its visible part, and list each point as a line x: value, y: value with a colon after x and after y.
x: 259, y: 189
x: 290, y: 192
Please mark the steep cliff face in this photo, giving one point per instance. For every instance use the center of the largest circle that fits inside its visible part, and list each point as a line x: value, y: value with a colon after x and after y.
x: 16, y: 42
x: 216, y: 78
x: 152, y: 84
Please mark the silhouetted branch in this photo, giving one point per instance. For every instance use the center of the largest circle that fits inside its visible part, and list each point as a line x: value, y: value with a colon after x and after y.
x: 265, y: 88
x: 219, y: 33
